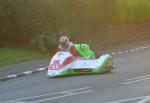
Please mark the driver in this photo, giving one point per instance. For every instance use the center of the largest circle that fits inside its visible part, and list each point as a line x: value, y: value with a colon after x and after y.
x: 65, y: 44
x: 81, y: 50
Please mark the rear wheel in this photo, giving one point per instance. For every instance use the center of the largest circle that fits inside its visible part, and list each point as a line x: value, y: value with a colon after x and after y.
x: 109, y: 67
x: 48, y: 77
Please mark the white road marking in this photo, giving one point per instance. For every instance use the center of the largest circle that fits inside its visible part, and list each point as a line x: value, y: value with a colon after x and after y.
x: 28, y: 72
x: 138, y: 77
x: 146, y: 47
x: 126, y: 100
x: 146, y: 99
x: 46, y: 94
x: 67, y: 92
x: 120, y: 52
x: 12, y: 76
x: 132, y: 50
x: 142, y: 48
x: 113, y: 53
x: 41, y: 69
x: 137, y: 49
x: 57, y: 97
x: 136, y: 81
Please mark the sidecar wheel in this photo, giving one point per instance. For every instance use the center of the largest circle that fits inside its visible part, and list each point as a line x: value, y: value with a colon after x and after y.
x: 109, y: 66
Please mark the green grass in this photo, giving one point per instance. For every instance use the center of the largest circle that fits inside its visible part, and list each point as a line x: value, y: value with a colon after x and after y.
x: 12, y: 56
x: 128, y: 11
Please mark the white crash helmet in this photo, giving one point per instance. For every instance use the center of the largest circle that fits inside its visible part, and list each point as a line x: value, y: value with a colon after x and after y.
x: 64, y: 41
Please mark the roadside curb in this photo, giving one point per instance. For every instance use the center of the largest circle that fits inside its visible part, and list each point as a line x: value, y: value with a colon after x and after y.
x: 13, y: 76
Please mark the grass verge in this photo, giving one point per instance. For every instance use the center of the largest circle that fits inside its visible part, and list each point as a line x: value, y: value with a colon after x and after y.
x: 12, y: 56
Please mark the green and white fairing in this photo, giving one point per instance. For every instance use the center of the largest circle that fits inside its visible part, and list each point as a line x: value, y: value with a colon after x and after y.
x: 63, y: 64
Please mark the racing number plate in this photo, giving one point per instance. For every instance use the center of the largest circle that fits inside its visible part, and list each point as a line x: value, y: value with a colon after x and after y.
x: 55, y: 66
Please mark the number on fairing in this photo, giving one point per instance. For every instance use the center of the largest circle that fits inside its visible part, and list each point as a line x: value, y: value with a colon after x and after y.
x: 55, y: 66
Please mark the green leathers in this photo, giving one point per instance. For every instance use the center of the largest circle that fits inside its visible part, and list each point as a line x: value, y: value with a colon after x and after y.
x: 85, y: 51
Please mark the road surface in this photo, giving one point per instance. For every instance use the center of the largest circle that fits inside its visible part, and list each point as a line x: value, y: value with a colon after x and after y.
x: 129, y: 83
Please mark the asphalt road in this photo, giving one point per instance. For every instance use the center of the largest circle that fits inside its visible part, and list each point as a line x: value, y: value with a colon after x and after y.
x: 129, y: 83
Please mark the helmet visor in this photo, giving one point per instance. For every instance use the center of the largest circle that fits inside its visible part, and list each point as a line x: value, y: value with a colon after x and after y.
x: 64, y: 45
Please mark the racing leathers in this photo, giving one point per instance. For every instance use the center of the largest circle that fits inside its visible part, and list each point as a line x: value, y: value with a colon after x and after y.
x: 85, y: 51
x: 81, y: 50
x: 69, y: 46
